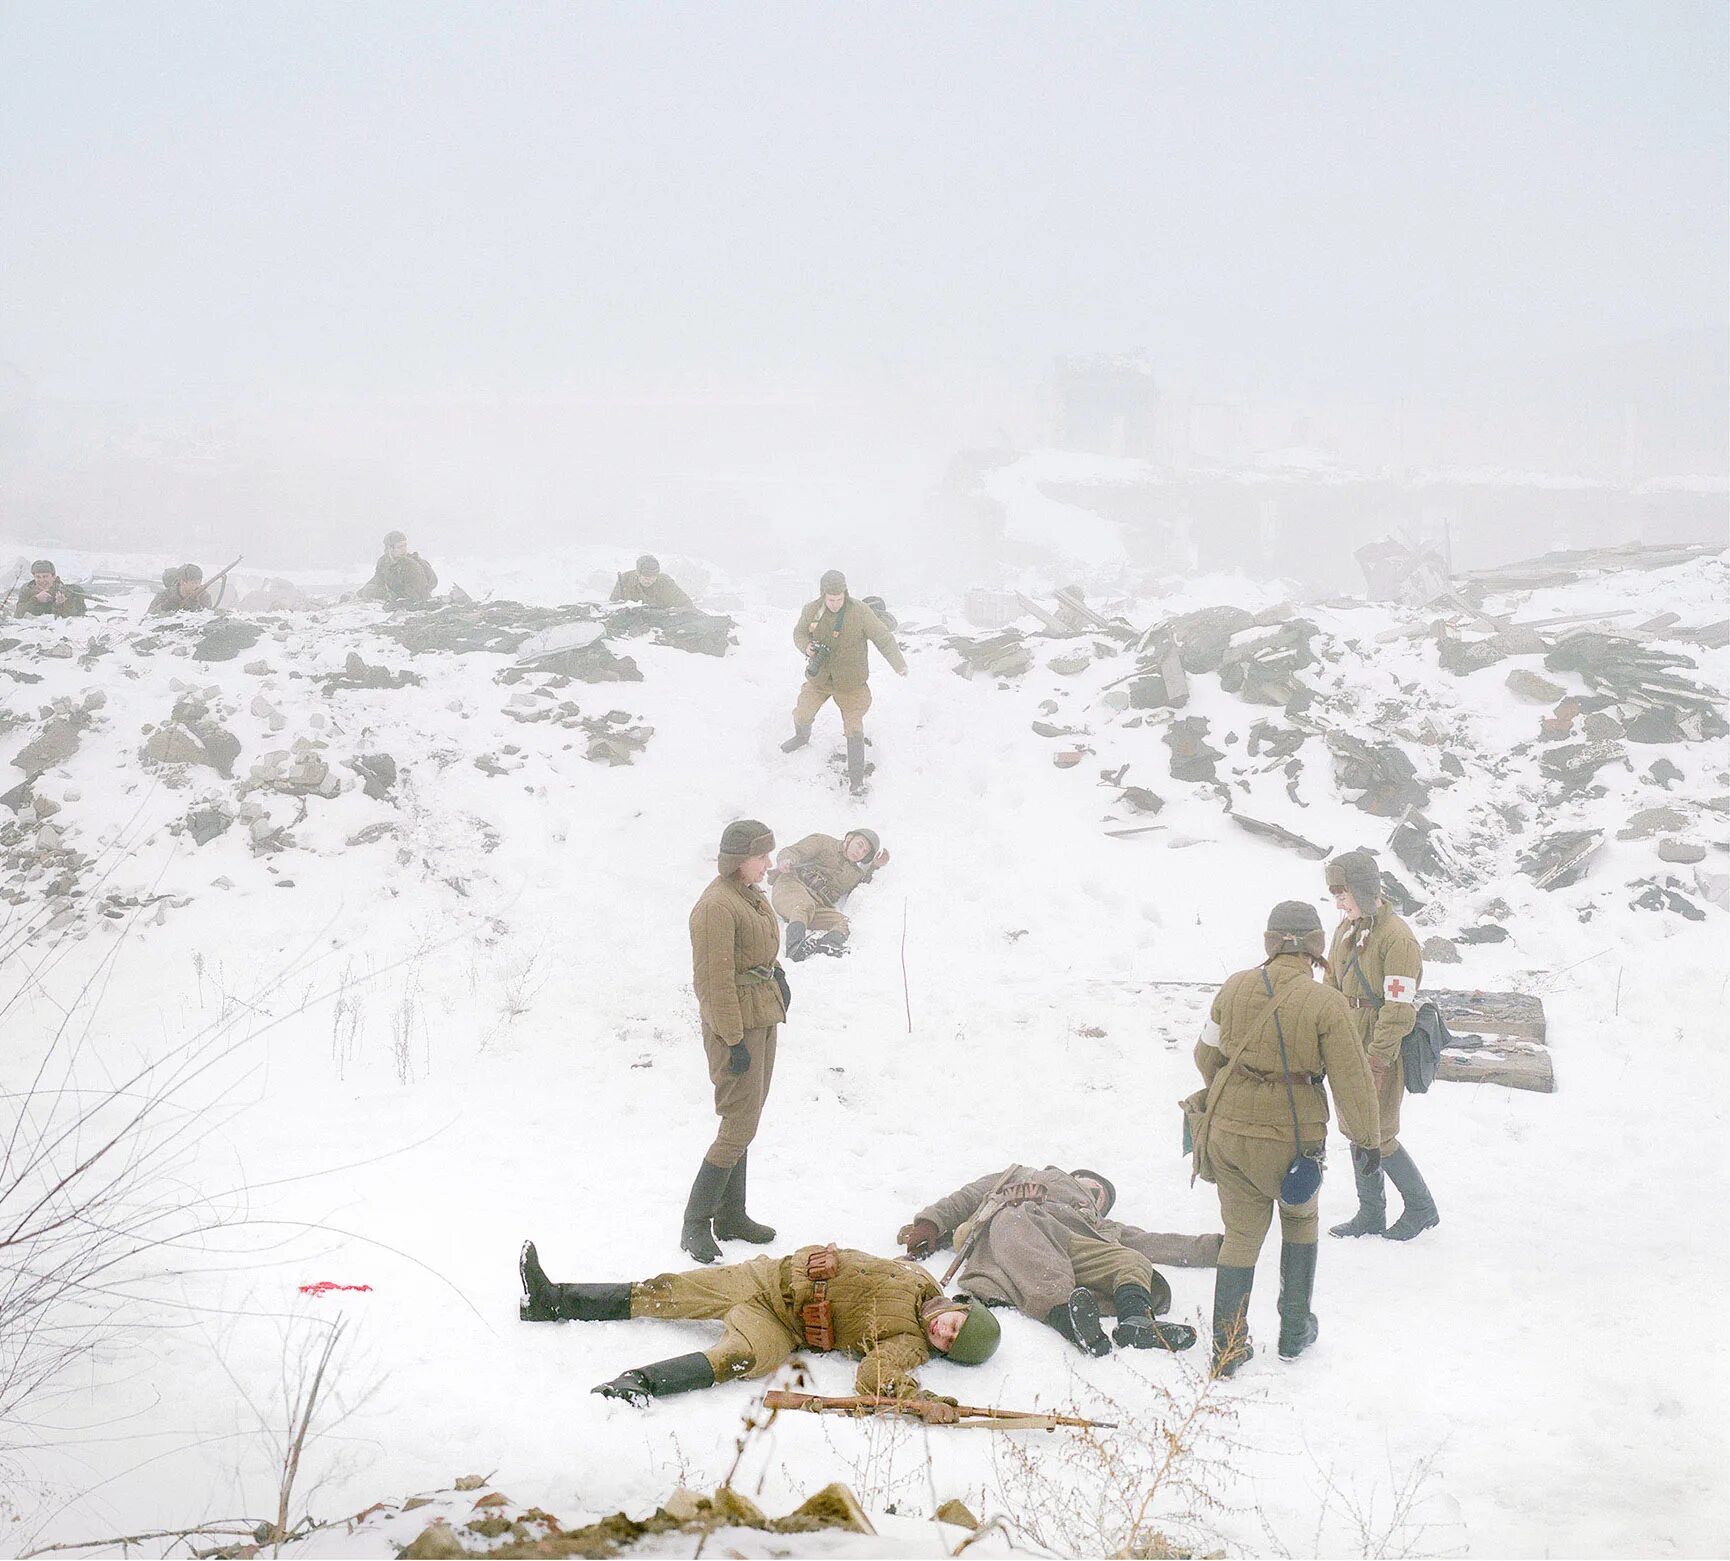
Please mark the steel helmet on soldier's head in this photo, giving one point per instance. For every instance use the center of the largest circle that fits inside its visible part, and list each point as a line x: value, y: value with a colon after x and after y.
x: 979, y: 1336
x: 869, y: 836
x: 1104, y: 1181
x: 1293, y: 927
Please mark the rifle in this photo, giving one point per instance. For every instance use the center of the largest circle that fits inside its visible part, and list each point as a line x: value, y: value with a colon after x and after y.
x: 970, y: 1414
x: 221, y: 576
x: 6, y: 600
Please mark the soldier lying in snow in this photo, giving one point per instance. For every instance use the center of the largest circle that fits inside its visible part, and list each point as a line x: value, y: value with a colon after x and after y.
x: 890, y: 1313
x: 812, y: 878
x: 648, y: 585
x: 1039, y: 1241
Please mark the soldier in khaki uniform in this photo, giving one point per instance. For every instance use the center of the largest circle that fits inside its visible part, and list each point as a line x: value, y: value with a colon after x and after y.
x: 1041, y: 1242
x: 400, y: 576
x: 182, y: 591
x: 742, y: 995
x: 833, y: 634
x: 890, y: 1313
x: 48, y: 596
x: 1376, y: 964
x: 1273, y: 1035
x: 811, y: 879
x: 648, y: 585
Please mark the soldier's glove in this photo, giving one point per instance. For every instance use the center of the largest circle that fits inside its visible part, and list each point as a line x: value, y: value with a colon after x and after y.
x: 920, y: 1238
x: 738, y: 1058
x: 1366, y: 1160
x: 939, y: 1411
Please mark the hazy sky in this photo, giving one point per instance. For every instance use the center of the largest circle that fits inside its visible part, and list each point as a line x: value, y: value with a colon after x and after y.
x: 494, y: 199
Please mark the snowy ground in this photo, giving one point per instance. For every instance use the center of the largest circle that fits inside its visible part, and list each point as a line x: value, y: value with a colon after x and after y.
x: 480, y: 1028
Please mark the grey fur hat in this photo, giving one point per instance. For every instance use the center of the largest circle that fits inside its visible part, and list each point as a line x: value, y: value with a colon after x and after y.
x: 743, y: 838
x: 1357, y: 871
x: 833, y: 580
x: 1294, y: 927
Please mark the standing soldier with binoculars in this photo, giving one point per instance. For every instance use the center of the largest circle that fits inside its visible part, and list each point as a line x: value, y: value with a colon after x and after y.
x: 831, y: 634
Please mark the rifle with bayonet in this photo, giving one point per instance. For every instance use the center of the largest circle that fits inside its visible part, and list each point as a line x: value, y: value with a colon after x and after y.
x: 986, y: 1418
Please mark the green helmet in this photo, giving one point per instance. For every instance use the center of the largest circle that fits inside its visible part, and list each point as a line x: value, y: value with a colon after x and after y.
x: 979, y: 1336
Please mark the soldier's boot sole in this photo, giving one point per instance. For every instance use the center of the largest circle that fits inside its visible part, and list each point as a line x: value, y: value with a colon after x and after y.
x: 1084, y: 1329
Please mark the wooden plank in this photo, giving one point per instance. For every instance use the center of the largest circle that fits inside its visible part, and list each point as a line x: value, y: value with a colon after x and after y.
x: 1490, y: 1059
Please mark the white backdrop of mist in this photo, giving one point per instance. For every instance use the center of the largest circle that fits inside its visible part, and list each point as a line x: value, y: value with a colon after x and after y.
x: 738, y: 278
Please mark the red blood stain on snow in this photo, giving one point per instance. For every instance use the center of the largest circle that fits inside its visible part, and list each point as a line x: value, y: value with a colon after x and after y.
x: 326, y: 1286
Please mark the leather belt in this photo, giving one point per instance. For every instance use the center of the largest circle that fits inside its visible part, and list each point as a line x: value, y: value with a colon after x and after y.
x: 816, y: 1319
x: 1283, y: 1078
x: 1361, y: 1002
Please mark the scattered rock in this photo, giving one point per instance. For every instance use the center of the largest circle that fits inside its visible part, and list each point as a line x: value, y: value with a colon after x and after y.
x: 176, y: 742
x: 1191, y: 757
x: 52, y: 746
x: 356, y: 673
x: 206, y: 823
x: 1684, y: 852
x: 258, y: 669
x: 1526, y: 684
x: 1663, y: 773
x: 1666, y: 896
x: 1575, y: 764
x: 225, y: 639
x: 1489, y: 932
x: 1562, y: 857
x: 1652, y: 821
x: 1463, y: 657
x: 435, y: 1541
x: 1141, y: 800
x: 1201, y: 637
x: 1601, y: 728
x: 995, y: 655
x: 1282, y: 837
x: 377, y: 772
x: 833, y: 1507
x: 1385, y: 780
x: 955, y: 1512
x: 1440, y: 951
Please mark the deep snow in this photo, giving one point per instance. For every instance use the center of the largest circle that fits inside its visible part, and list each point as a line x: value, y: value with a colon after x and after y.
x: 448, y: 1070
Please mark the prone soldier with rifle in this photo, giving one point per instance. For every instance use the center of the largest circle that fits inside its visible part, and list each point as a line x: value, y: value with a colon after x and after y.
x: 890, y: 1313
x: 186, y: 590
x: 48, y: 596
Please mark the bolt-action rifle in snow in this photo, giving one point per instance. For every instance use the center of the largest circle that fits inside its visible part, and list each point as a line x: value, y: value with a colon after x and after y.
x: 920, y: 1409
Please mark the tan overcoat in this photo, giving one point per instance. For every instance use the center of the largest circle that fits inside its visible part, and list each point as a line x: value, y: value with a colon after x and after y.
x: 734, y: 941
x: 846, y: 667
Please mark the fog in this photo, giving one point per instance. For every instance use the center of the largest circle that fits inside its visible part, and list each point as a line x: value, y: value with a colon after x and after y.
x: 746, y: 278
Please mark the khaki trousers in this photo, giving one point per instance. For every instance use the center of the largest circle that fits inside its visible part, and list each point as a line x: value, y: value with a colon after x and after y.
x: 1247, y: 1172
x: 743, y: 1296
x: 851, y: 702
x: 739, y: 1097
x: 794, y: 902
x: 1101, y: 1266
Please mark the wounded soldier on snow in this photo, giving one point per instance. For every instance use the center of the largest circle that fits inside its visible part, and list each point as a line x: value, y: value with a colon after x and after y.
x: 1039, y: 1240
x: 812, y: 878
x: 890, y: 1313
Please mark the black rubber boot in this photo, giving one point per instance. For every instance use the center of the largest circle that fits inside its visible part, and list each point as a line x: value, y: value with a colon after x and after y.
x: 1231, y: 1341
x: 800, y: 944
x: 1420, y: 1211
x: 856, y: 763
x: 1297, y: 1279
x: 833, y: 944
x: 801, y: 736
x: 732, y: 1223
x: 660, y: 1379
x: 1136, y: 1328
x: 696, y: 1237
x: 545, y: 1302
x: 1372, y: 1216
x: 1078, y: 1321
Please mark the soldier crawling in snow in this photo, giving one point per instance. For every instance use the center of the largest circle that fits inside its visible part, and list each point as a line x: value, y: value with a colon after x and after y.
x: 1039, y: 1240
x: 182, y: 591
x: 646, y: 584
x: 890, y: 1313
x: 400, y: 576
x: 812, y: 878
x: 48, y: 596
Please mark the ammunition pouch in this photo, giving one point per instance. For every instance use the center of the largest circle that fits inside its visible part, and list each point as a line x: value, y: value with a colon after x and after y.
x: 816, y: 1319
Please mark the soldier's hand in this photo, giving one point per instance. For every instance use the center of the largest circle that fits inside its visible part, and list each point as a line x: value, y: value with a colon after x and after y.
x: 738, y: 1058
x: 1366, y: 1159
x: 883, y: 856
x: 1378, y: 1071
x: 920, y: 1238
x: 939, y: 1411
x: 900, y: 672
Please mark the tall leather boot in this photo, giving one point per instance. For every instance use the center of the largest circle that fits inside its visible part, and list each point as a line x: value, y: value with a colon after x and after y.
x: 659, y: 1379
x: 834, y: 944
x: 1372, y: 1216
x: 1077, y: 1319
x: 799, y: 941
x: 801, y: 736
x: 1136, y: 1328
x: 732, y: 1223
x: 1231, y: 1342
x: 856, y: 763
x: 1297, y: 1278
x: 696, y: 1236
x: 1420, y: 1211
x: 545, y: 1302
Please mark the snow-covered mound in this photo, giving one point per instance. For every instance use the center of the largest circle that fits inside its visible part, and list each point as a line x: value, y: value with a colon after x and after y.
x: 423, y: 886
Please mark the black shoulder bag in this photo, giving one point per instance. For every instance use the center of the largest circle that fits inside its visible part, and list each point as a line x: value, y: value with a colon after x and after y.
x: 1421, y: 1048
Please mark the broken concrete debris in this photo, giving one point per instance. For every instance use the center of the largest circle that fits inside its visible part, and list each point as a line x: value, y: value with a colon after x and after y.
x: 1002, y: 655
x: 1192, y: 759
